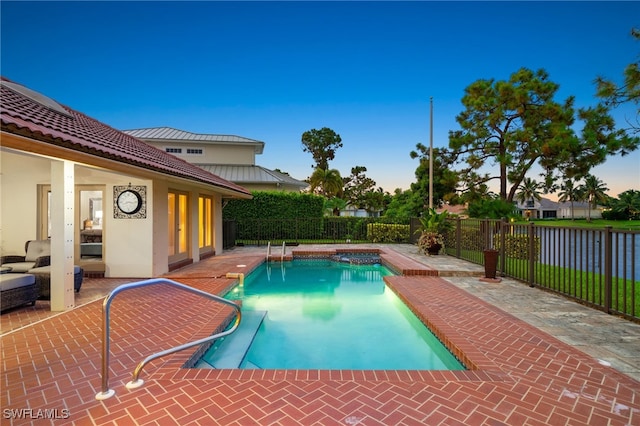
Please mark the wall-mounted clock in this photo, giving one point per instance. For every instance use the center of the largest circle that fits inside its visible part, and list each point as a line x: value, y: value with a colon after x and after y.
x: 130, y: 202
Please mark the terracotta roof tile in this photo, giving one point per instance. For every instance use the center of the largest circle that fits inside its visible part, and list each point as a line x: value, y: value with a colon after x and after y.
x: 47, y: 123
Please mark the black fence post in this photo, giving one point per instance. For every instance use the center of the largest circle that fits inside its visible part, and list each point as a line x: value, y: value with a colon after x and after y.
x: 486, y: 228
x: 458, y: 237
x: 504, y: 227
x: 532, y: 256
x: 608, y: 269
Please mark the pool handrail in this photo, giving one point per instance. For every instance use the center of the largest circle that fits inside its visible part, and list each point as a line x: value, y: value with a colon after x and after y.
x: 135, y: 381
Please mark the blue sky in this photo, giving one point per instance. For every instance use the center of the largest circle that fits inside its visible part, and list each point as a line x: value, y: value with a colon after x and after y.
x: 273, y: 70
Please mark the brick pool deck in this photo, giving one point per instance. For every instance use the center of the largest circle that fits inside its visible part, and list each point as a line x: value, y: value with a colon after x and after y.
x: 518, y: 374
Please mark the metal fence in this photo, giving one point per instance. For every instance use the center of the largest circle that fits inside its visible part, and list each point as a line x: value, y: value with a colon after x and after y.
x: 597, y: 267
x: 319, y: 230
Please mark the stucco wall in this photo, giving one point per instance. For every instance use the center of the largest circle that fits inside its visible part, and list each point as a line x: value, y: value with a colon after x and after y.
x: 19, y: 198
x: 212, y: 153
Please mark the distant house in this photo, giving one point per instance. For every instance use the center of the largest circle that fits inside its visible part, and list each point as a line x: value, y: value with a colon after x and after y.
x: 547, y: 209
x: 231, y: 157
x: 353, y: 211
x: 459, y: 210
x: 580, y: 210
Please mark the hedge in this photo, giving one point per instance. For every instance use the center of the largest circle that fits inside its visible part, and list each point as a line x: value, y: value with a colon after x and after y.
x: 274, y: 205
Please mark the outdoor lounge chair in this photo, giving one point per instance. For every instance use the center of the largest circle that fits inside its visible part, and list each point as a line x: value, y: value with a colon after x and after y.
x: 17, y: 290
x: 43, y: 280
x: 38, y: 253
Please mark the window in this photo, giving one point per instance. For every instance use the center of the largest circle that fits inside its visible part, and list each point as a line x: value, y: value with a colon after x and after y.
x: 178, y: 231
x: 174, y: 150
x: 194, y: 151
x: 205, y: 229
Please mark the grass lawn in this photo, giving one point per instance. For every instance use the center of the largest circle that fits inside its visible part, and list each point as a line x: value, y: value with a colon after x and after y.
x: 625, y: 225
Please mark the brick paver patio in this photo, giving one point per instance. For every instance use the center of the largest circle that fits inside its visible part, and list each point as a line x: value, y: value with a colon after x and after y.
x: 518, y: 374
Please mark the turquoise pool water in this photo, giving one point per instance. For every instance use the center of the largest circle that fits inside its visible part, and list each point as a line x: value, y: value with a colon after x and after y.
x: 328, y: 315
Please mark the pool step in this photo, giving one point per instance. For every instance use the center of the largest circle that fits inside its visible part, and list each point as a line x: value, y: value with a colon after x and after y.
x: 234, y: 347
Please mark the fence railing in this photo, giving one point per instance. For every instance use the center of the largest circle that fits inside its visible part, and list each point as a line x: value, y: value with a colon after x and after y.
x: 598, y: 267
x: 319, y: 230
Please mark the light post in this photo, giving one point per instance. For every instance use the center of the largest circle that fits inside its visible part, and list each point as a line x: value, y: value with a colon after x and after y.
x: 431, y: 154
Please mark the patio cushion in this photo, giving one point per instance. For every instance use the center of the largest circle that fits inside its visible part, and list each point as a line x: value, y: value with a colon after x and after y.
x: 11, y: 281
x: 47, y: 270
x: 19, y: 267
x: 37, y: 248
x: 43, y: 280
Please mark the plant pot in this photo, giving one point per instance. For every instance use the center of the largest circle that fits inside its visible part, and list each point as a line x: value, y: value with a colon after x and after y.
x: 490, y: 263
x: 434, y: 249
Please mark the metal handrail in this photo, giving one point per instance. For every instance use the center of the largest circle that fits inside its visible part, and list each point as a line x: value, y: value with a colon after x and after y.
x: 135, y: 381
x: 284, y: 249
x: 268, y: 250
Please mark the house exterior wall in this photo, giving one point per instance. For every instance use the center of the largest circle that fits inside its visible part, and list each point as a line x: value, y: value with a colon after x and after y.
x: 135, y: 248
x: 579, y: 213
x: 129, y: 242
x: 19, y: 200
x: 159, y: 233
x: 212, y: 153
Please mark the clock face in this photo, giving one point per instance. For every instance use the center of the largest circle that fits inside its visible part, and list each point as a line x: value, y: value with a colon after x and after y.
x: 129, y: 202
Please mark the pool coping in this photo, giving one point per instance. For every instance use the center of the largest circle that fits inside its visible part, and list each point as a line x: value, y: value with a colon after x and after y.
x: 478, y: 366
x: 530, y: 376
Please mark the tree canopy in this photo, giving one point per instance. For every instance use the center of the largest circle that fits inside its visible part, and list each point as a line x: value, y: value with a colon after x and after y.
x: 513, y: 124
x: 322, y: 144
x: 358, y: 188
x: 629, y: 91
x: 516, y: 124
x: 445, y: 181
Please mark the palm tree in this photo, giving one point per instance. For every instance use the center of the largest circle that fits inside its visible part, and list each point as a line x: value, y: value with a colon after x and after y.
x: 593, y: 190
x: 528, y: 191
x: 326, y: 182
x: 569, y: 192
x: 628, y: 204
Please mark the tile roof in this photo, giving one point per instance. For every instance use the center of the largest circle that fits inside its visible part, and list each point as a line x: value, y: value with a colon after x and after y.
x: 175, y: 135
x: 244, y: 174
x: 24, y: 111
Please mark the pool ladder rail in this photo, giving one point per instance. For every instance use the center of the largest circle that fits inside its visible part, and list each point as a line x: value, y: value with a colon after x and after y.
x: 136, y: 382
x: 282, y: 255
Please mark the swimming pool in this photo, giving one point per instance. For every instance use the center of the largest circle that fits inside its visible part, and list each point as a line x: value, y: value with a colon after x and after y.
x: 321, y: 314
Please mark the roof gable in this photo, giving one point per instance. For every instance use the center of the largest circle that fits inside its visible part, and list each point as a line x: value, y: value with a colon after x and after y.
x: 21, y: 112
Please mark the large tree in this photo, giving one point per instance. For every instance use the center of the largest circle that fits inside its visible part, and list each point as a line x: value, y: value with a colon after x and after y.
x: 513, y: 124
x: 445, y: 181
x: 326, y: 182
x: 357, y: 186
x: 528, y: 191
x: 569, y: 192
x: 517, y: 124
x: 593, y: 190
x: 628, y: 204
x: 322, y: 145
x: 628, y: 91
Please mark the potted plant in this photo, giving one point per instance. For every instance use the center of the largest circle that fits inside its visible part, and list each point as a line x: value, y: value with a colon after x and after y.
x: 434, y: 225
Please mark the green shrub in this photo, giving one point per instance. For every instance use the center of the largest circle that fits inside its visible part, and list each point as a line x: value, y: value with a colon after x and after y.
x: 491, y: 209
x: 387, y: 233
x: 517, y: 246
x: 470, y: 239
x: 275, y: 205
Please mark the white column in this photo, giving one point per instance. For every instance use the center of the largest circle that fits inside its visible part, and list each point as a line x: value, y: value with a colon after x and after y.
x: 194, y: 213
x: 62, y: 234
x: 217, y: 224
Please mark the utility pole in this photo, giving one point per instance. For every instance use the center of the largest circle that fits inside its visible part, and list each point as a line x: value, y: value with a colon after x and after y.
x: 431, y: 155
